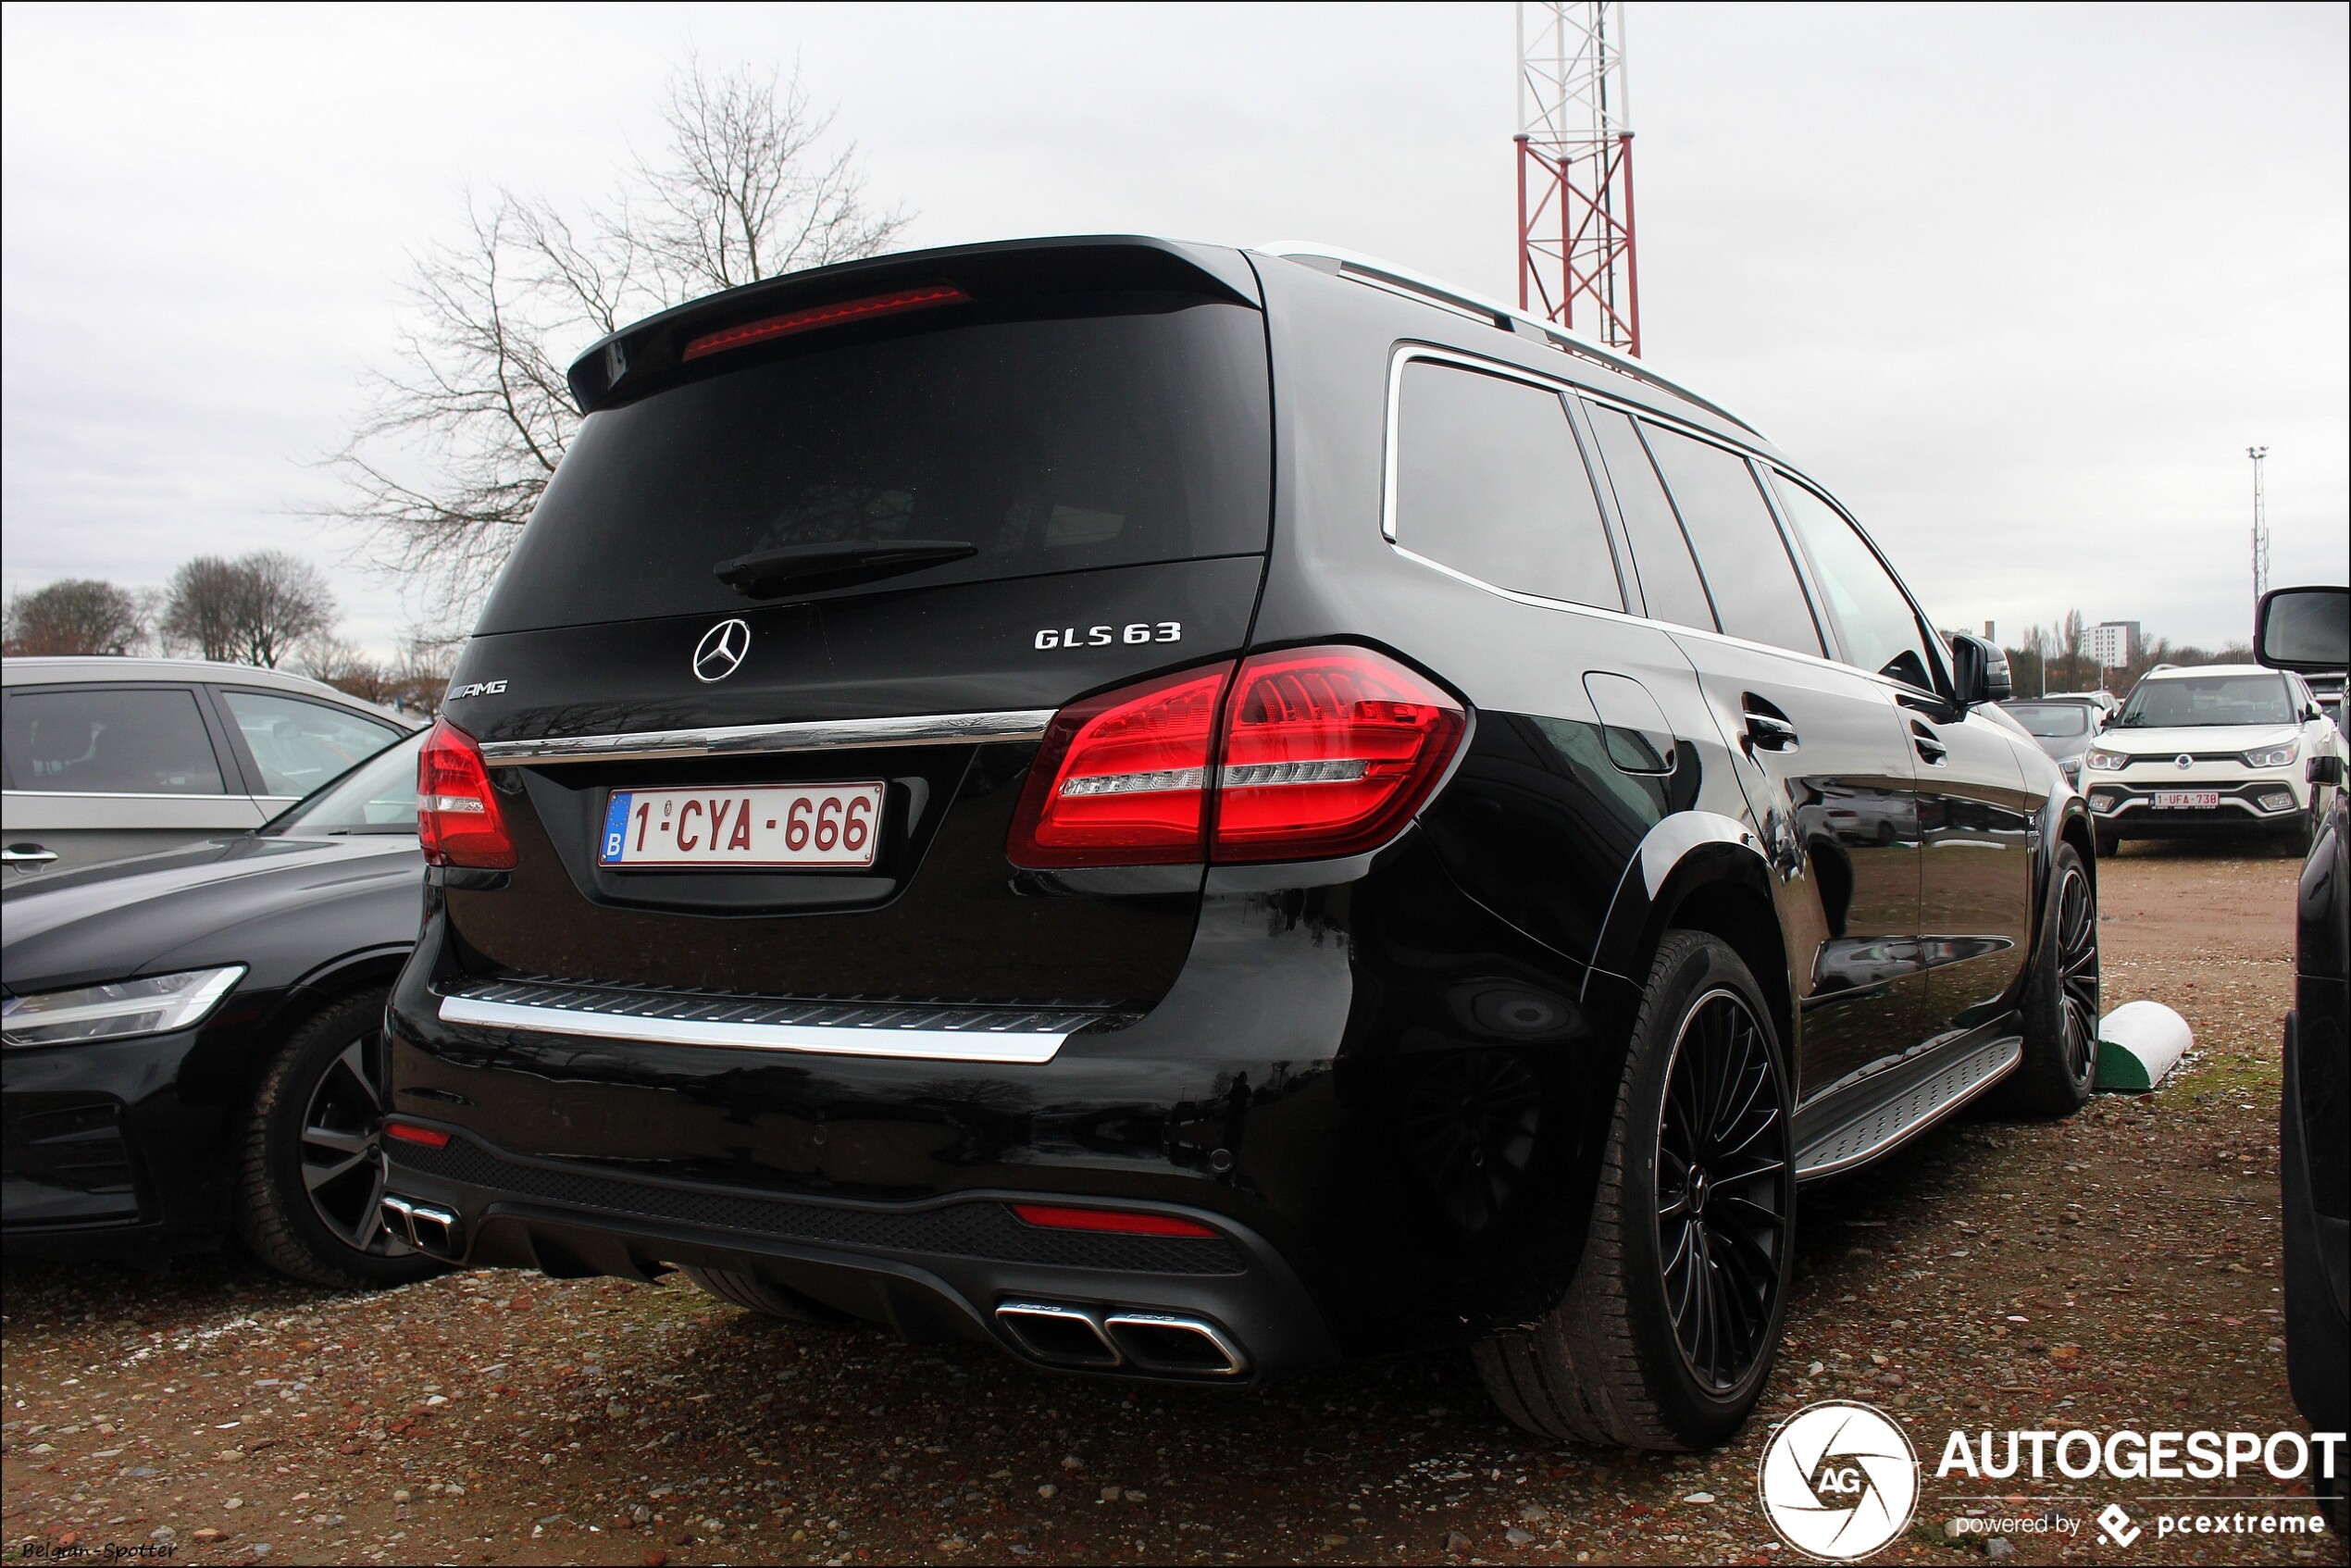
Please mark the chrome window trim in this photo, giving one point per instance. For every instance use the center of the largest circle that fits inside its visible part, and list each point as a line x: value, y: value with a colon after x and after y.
x: 1019, y: 1049
x: 745, y: 740
x: 131, y: 795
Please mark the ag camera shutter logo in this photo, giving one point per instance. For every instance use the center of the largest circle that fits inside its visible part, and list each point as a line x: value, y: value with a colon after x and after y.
x: 1838, y: 1480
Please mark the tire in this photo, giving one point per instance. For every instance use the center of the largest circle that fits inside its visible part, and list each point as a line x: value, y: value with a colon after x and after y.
x: 309, y: 1172
x: 1614, y: 1361
x: 2061, y: 1058
x: 2108, y: 845
x: 765, y: 1296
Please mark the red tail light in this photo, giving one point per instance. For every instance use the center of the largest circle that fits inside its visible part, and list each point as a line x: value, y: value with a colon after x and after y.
x: 1321, y: 752
x: 1118, y: 1222
x: 1123, y: 779
x: 1327, y: 752
x: 457, y: 818
x: 769, y: 326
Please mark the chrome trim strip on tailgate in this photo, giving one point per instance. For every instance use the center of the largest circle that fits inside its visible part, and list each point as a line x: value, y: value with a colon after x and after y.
x: 743, y: 740
x: 1026, y: 1048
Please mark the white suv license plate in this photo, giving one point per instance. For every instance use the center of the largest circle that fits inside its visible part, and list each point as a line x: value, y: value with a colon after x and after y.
x: 766, y: 824
x: 2187, y: 800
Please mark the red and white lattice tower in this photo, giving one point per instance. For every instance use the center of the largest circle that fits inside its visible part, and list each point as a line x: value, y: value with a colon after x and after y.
x: 1576, y: 251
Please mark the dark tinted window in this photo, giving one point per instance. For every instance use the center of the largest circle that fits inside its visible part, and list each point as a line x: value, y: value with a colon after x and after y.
x: 1662, y: 556
x: 299, y: 744
x: 1873, y: 617
x: 1052, y: 445
x: 1756, y: 589
x: 1489, y: 481
x: 149, y: 742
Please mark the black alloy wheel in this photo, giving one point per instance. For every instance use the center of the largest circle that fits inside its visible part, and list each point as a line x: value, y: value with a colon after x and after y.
x: 2077, y: 957
x: 343, y: 1164
x: 1723, y: 1189
x: 310, y: 1167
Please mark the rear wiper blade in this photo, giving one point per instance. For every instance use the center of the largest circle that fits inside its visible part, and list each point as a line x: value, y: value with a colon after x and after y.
x: 804, y: 568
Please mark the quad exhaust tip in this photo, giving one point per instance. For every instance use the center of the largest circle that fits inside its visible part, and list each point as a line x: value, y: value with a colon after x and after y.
x: 427, y: 1228
x: 1119, y: 1340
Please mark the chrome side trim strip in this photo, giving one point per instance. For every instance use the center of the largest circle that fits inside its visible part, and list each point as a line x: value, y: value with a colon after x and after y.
x: 922, y: 1045
x: 742, y: 740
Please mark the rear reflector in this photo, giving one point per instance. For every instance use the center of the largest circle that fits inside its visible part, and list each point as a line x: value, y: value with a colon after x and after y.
x: 1319, y: 753
x: 809, y: 321
x: 1118, y: 1222
x: 457, y: 818
x: 408, y: 1132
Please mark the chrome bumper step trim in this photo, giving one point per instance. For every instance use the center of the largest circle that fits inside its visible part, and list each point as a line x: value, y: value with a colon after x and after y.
x: 1018, y: 1047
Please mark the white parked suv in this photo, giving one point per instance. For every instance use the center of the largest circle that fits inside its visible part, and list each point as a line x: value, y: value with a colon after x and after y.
x: 2211, y: 748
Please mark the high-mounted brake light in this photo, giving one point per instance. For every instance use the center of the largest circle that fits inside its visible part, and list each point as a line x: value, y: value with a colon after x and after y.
x: 458, y: 822
x: 1302, y: 754
x: 1116, y: 1222
x: 769, y: 326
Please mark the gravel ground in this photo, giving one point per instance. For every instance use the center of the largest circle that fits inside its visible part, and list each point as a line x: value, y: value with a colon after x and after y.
x: 2119, y: 1269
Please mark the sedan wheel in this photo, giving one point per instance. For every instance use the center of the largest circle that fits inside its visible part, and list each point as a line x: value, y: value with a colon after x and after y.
x: 311, y: 1170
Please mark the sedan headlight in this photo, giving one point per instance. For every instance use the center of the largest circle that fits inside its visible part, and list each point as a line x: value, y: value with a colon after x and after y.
x: 2099, y: 760
x: 117, y: 1011
x: 2274, y: 756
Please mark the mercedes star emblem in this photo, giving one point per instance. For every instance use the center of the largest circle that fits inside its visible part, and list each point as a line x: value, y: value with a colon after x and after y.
x: 720, y: 652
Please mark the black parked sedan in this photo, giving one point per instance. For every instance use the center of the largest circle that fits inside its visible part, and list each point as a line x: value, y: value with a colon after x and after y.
x: 191, y: 1040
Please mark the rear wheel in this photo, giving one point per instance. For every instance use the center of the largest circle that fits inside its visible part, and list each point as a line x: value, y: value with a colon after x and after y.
x: 310, y: 1174
x: 1667, y: 1332
x: 749, y: 1291
x: 2061, y: 999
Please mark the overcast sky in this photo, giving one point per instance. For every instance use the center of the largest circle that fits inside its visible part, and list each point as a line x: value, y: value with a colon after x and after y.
x: 2021, y: 284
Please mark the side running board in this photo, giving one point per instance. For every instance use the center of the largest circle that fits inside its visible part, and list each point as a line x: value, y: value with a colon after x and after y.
x: 1902, y: 1101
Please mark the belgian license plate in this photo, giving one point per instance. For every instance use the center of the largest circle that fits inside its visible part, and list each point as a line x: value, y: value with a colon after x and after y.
x: 788, y: 824
x: 2187, y: 799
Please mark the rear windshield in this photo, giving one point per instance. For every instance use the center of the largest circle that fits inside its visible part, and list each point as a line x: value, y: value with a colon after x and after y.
x: 2197, y: 701
x: 1050, y: 445
x: 2051, y: 721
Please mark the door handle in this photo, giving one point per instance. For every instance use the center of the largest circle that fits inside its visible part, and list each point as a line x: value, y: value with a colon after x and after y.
x: 1765, y: 733
x: 26, y: 857
x: 1932, y: 750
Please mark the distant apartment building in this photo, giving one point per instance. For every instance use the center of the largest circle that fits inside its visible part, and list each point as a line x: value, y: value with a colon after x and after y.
x: 2111, y: 644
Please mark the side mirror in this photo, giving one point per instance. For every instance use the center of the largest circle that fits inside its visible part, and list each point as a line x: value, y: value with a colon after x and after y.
x: 2306, y: 629
x: 2323, y: 770
x: 1979, y: 670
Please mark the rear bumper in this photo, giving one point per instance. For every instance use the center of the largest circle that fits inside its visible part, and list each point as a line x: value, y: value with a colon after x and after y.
x: 937, y: 1269
x: 105, y: 1155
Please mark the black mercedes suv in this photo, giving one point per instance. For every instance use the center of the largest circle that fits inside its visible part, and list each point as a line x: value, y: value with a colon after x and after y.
x: 1190, y: 813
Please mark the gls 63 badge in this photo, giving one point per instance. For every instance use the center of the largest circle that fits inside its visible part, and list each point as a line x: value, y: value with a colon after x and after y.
x: 1103, y: 636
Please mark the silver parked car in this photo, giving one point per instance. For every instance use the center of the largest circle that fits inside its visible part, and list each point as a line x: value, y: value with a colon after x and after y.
x: 112, y: 757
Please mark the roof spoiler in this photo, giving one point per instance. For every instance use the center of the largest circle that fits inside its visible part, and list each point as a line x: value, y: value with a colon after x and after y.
x: 638, y: 359
x: 1429, y: 291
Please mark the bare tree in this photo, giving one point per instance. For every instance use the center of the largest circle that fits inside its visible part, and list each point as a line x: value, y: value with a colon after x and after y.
x: 76, y: 615
x: 253, y: 610
x: 464, y: 433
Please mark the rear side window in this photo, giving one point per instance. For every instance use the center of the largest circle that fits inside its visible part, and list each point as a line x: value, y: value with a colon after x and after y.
x: 1747, y: 568
x: 299, y: 745
x: 1873, y: 617
x: 1489, y: 482
x: 141, y: 742
x: 1661, y: 555
x: 1048, y: 445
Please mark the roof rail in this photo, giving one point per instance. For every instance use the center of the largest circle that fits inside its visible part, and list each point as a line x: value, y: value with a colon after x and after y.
x: 1429, y: 290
